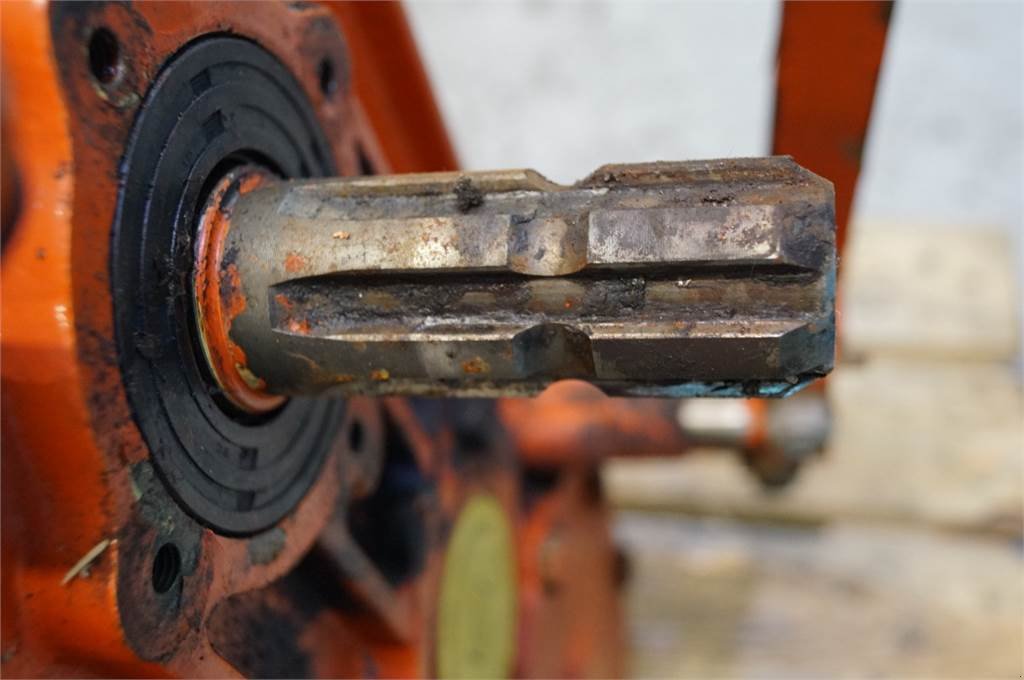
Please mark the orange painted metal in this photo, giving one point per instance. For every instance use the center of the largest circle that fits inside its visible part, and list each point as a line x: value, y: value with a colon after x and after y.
x: 570, y: 581
x: 830, y: 55
x: 53, y: 486
x: 69, y: 439
x: 573, y: 422
x: 392, y: 87
x: 829, y: 60
x: 68, y: 435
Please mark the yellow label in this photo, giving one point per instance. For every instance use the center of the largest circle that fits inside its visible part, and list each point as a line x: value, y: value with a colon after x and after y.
x: 476, y: 621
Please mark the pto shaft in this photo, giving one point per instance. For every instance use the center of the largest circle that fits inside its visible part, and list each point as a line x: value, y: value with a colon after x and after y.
x: 711, y: 278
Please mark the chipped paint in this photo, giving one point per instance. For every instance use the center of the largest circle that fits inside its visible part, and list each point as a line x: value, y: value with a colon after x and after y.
x: 294, y: 263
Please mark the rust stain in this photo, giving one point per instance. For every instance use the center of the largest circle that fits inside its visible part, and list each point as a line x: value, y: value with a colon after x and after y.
x: 220, y: 299
x: 283, y: 302
x: 380, y: 375
x: 233, y: 303
x: 292, y: 324
x: 293, y: 263
x: 475, y: 365
x: 250, y: 183
x: 231, y: 297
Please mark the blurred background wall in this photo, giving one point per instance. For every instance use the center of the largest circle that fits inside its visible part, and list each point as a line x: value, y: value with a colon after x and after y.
x: 898, y: 553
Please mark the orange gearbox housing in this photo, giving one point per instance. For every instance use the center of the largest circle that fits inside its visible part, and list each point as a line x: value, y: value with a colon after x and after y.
x: 69, y: 437
x: 67, y: 429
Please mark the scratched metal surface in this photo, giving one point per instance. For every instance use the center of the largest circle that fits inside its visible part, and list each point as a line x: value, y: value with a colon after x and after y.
x: 708, y: 278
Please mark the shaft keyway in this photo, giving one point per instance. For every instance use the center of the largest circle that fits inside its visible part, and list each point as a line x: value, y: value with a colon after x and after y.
x: 709, y: 278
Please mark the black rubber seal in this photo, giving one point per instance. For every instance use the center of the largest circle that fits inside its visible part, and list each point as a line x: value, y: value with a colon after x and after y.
x: 218, y: 103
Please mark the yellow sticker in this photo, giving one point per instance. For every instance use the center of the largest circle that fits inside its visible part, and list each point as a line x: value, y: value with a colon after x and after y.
x: 477, y: 618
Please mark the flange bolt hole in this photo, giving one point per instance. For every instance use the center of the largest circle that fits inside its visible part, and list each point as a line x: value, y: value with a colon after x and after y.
x: 166, y: 567
x: 104, y: 56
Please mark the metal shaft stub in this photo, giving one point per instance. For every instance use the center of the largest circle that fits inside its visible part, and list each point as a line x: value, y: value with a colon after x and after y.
x: 704, y: 278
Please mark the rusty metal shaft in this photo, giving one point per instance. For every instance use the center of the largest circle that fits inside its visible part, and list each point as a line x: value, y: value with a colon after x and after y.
x: 709, y: 278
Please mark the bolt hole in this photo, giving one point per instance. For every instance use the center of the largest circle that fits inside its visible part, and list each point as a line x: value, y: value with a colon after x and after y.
x: 325, y: 72
x: 104, y: 56
x: 356, y: 436
x: 166, y: 567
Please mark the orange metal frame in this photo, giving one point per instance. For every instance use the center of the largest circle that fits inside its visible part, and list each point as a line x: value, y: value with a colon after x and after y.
x: 68, y: 434
x: 830, y: 55
x: 392, y: 88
